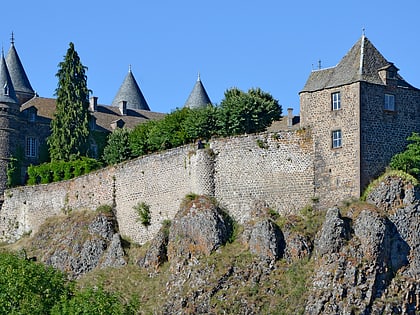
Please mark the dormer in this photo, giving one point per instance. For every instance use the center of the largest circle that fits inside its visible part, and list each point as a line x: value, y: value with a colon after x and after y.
x: 119, y: 123
x: 388, y: 74
x: 31, y: 114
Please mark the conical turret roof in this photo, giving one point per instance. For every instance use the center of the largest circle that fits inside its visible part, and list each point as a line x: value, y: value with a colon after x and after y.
x: 7, y: 91
x: 20, y: 80
x: 130, y: 92
x: 198, y: 96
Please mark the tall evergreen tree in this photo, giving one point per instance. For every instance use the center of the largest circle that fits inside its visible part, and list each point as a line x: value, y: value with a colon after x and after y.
x: 70, y: 126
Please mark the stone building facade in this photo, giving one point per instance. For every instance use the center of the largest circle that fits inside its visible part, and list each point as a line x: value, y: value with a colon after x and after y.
x: 360, y: 114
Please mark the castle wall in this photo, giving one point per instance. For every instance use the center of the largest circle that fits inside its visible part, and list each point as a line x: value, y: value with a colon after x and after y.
x: 384, y: 133
x: 274, y: 167
x: 337, y: 170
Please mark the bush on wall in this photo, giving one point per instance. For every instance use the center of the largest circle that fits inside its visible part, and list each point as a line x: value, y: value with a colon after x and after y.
x: 60, y: 170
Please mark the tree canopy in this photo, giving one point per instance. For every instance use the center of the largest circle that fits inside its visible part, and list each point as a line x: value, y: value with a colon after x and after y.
x: 70, y: 126
x: 239, y: 112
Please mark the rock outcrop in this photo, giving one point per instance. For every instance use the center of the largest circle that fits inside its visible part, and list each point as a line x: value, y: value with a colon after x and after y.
x: 369, y: 265
x: 79, y: 242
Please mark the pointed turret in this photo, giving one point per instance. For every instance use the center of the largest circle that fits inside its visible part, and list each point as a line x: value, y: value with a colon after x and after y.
x: 23, y: 88
x: 363, y: 62
x: 198, y: 96
x: 131, y: 93
x: 7, y: 91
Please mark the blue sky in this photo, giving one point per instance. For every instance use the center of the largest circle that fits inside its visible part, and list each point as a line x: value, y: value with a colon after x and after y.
x: 269, y: 44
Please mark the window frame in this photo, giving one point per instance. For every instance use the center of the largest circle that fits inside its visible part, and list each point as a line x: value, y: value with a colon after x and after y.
x: 31, y: 147
x: 336, y: 100
x: 337, y: 139
x: 388, y: 104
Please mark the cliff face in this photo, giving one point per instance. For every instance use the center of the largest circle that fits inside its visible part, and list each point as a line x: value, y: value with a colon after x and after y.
x: 363, y: 259
x: 367, y: 261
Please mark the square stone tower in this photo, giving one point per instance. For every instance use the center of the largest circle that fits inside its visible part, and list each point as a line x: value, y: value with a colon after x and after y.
x: 360, y: 113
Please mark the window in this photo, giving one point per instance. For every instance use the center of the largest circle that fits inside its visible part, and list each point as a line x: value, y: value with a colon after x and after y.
x: 389, y: 102
x: 336, y: 101
x: 31, y: 147
x: 336, y: 139
x: 32, y: 116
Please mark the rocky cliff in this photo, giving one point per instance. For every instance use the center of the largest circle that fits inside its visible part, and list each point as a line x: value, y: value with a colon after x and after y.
x: 362, y: 258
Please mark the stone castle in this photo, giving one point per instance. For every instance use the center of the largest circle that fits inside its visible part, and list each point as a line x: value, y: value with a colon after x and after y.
x: 353, y: 118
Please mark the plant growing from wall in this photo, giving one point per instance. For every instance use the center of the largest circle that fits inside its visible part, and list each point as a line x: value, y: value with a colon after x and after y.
x: 14, y: 176
x: 143, y: 211
x: 408, y: 160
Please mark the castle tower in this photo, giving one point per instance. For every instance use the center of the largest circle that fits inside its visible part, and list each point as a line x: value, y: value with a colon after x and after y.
x: 9, y: 111
x: 130, y: 92
x: 23, y: 88
x: 198, y: 96
x: 360, y: 113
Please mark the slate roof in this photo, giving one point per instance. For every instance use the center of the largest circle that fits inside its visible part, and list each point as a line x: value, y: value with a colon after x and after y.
x: 198, y: 96
x: 130, y: 92
x: 7, y: 92
x: 105, y: 115
x: 361, y: 63
x: 17, y: 73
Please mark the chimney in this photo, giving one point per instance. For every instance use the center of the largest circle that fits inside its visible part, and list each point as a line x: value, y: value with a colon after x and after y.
x: 289, y: 117
x: 123, y: 107
x: 93, y: 104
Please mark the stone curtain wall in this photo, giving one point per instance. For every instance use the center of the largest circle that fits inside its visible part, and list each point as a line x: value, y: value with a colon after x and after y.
x: 274, y: 167
x: 26, y: 208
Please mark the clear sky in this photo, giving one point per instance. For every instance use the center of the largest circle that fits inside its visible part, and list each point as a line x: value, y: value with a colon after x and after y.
x: 270, y: 44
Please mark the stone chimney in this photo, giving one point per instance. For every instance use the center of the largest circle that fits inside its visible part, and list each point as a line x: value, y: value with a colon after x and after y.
x: 289, y: 117
x: 123, y: 107
x: 93, y: 104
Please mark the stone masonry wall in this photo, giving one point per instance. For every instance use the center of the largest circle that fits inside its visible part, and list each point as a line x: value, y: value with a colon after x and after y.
x: 384, y: 133
x: 337, y: 169
x: 274, y: 167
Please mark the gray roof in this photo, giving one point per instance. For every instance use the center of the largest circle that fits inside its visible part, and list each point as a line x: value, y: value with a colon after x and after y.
x: 130, y: 92
x: 361, y: 63
x: 7, y: 91
x: 198, y: 96
x: 17, y: 73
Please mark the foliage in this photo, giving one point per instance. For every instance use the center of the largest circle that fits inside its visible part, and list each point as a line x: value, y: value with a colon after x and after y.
x: 27, y: 287
x: 238, y: 113
x: 139, y: 138
x: 89, y: 301
x: 118, y: 148
x: 70, y: 126
x: 408, y: 160
x: 60, y: 170
x: 249, y: 112
x: 169, y: 132
x: 200, y: 123
x: 100, y: 139
x: 143, y: 211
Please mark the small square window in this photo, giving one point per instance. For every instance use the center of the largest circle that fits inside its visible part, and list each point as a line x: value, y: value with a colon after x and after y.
x: 32, y: 116
x: 31, y: 147
x: 389, y: 102
x: 336, y: 101
x: 336, y: 139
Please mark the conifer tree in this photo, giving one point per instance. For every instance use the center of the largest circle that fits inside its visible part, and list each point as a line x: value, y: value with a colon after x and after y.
x: 70, y: 125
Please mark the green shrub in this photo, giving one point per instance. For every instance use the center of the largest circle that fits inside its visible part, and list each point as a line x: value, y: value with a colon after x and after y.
x: 60, y: 170
x: 27, y: 287
x: 143, y: 211
x: 90, y: 301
